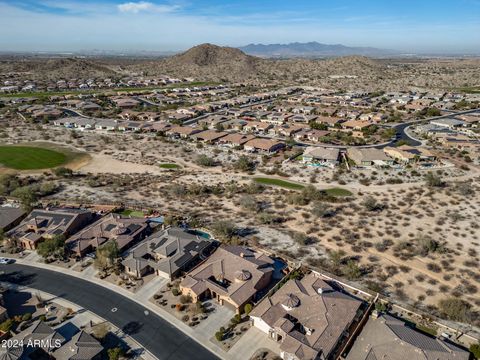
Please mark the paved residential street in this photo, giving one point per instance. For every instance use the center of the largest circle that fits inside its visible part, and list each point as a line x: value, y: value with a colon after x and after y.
x: 154, y: 333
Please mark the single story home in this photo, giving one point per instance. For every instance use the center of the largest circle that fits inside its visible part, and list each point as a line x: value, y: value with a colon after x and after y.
x: 386, y: 337
x: 209, y: 136
x: 321, y: 156
x: 263, y: 145
x: 409, y: 154
x: 369, y: 157
x: 235, y: 139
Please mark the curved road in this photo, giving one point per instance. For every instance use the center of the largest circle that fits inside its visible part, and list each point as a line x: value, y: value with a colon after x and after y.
x: 154, y: 333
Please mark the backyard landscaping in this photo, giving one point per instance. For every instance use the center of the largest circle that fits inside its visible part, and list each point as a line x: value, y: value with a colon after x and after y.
x: 132, y: 213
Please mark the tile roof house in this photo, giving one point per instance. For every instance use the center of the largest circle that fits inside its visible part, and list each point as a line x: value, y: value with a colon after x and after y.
x: 182, y: 131
x: 368, y: 157
x: 321, y: 156
x: 126, y: 103
x: 263, y: 145
x: 82, y: 346
x: 166, y: 253
x: 209, y: 136
x: 386, y: 337
x: 10, y: 216
x: 308, y: 317
x: 235, y: 139
x: 37, y: 339
x: 43, y: 224
x: 124, y: 230
x: 356, y: 124
x: 256, y: 126
x: 232, y: 275
x: 407, y: 154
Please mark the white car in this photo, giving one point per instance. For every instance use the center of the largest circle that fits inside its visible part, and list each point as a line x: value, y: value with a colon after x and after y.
x: 5, y: 261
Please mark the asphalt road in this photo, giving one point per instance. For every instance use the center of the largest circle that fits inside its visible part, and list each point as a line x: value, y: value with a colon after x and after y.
x: 157, y: 335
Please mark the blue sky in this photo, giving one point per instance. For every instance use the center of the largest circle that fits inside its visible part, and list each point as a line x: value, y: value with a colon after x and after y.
x: 420, y: 26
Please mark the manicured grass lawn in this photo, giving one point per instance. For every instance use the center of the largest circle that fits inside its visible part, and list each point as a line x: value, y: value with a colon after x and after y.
x: 132, y: 213
x: 30, y: 158
x: 278, y: 182
x: 427, y: 330
x: 338, y: 192
x: 169, y: 166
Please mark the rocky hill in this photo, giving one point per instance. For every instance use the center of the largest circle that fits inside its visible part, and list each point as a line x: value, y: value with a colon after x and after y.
x: 209, y: 62
x: 57, y: 68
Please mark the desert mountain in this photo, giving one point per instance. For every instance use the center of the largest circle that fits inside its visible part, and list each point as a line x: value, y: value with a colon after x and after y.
x: 311, y: 50
x: 57, y: 68
x: 209, y: 62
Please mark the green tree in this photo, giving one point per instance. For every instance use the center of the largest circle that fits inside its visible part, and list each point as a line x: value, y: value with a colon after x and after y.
x: 26, y: 196
x: 204, y: 160
x: 106, y: 255
x: 53, y: 247
x: 8, y: 183
x: 352, y: 270
x: 115, y: 353
x: 7, y: 325
x: 244, y: 163
x: 247, y: 308
x: 433, y: 180
x: 224, y: 229
x: 475, y: 350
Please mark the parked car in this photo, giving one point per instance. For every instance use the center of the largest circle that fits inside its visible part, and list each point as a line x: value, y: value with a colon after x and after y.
x: 5, y: 261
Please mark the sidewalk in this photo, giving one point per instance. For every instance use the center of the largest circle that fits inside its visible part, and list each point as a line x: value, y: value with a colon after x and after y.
x: 142, y: 298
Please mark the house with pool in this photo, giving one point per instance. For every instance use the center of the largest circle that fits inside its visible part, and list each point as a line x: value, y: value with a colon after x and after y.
x: 232, y: 275
x: 168, y: 253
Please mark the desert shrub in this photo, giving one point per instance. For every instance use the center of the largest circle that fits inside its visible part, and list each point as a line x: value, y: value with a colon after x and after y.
x: 455, y: 309
x: 185, y: 299
x: 204, y: 160
x: 352, y: 270
x: 426, y: 245
x: 371, y: 204
x: 433, y: 180
x: 244, y: 163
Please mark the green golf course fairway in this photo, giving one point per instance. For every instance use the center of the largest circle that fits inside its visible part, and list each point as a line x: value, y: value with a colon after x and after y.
x: 30, y: 158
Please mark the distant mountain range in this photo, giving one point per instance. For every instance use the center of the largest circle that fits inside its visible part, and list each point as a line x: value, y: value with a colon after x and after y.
x: 312, y: 50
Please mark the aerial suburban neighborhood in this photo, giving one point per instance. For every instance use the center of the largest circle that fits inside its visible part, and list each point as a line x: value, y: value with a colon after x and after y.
x: 162, y: 197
